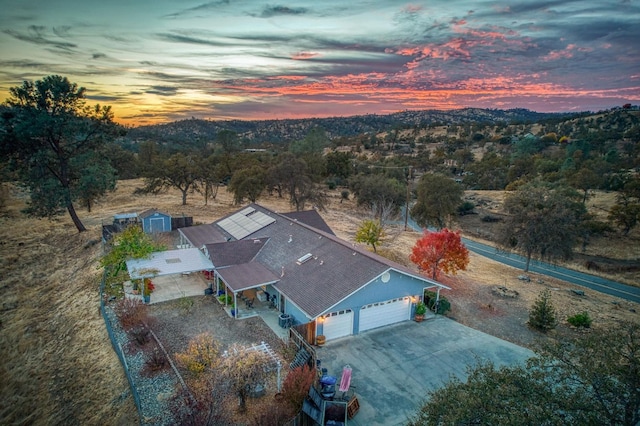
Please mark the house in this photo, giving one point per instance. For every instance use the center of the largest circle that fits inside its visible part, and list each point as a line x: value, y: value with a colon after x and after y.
x: 334, y: 287
x: 153, y: 220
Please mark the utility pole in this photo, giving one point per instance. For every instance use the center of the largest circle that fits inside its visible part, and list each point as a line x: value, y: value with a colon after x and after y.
x: 406, y: 212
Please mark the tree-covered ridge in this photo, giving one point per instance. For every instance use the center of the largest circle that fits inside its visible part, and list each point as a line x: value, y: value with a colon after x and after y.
x: 279, y: 131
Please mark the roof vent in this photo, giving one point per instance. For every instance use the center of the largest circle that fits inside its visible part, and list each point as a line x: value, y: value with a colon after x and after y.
x: 282, y: 273
x: 256, y: 241
x: 304, y: 258
x: 290, y: 238
x: 322, y: 262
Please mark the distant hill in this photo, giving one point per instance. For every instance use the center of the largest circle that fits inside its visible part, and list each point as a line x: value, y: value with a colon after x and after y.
x: 187, y: 132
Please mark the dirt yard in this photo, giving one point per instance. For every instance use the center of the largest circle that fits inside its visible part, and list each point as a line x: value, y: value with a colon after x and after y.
x: 58, y: 364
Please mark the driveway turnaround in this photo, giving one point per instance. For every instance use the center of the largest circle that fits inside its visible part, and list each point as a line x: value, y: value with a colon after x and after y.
x: 394, y: 367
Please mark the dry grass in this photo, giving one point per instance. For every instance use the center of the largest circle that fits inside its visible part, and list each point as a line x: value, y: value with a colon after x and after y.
x: 58, y: 365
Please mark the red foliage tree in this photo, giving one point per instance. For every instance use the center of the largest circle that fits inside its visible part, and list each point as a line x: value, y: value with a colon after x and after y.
x: 442, y: 250
x: 296, y: 386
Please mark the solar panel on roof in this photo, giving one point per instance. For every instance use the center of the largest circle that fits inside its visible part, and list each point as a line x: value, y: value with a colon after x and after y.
x: 262, y: 218
x: 240, y: 224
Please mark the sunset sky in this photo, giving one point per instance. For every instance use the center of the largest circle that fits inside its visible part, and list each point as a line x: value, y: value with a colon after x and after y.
x: 158, y: 60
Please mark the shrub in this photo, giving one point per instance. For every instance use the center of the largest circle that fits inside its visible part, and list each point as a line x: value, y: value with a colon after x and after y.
x: 156, y: 361
x: 131, y: 312
x: 581, y: 319
x: 226, y: 299
x: 296, y: 386
x: 543, y: 315
x: 141, y: 335
x: 490, y: 219
x: 466, y: 208
x: 444, y: 305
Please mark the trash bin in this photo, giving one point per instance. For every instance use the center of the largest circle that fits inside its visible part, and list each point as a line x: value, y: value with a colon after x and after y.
x: 283, y: 320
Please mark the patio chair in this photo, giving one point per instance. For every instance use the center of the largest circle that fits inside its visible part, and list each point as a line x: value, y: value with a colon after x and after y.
x: 249, y: 303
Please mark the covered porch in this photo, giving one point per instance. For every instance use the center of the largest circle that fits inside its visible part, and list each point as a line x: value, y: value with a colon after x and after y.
x: 244, y: 289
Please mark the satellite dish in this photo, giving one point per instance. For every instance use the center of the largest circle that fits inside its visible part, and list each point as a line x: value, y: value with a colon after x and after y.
x: 385, y: 277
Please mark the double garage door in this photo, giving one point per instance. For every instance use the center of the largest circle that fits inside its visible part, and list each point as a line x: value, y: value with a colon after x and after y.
x: 384, y: 313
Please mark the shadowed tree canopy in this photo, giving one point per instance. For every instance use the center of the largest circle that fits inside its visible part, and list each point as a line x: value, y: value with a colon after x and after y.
x: 56, y: 144
x: 593, y: 380
x: 247, y: 183
x: 544, y: 222
x: 377, y: 191
x: 179, y: 171
x: 438, y: 199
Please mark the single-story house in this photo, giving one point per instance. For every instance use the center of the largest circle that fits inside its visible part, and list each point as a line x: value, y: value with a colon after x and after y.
x: 154, y: 220
x: 335, y: 287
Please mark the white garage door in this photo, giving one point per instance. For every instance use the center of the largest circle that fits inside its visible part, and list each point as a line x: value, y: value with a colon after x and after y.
x: 384, y: 313
x: 338, y: 324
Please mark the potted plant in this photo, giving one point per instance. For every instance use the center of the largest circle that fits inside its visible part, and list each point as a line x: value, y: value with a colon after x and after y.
x: 136, y: 286
x: 148, y: 289
x: 421, y: 309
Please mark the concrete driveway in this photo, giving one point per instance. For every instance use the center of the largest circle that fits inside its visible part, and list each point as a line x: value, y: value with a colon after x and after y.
x: 394, y: 367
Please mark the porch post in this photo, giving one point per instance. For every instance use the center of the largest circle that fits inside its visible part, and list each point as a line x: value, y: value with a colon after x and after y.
x: 235, y: 304
x: 438, y: 295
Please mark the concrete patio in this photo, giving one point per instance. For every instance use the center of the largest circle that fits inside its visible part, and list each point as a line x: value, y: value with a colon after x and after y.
x: 171, y: 287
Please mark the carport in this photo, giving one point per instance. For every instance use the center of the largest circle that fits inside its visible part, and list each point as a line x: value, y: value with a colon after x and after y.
x: 177, y: 268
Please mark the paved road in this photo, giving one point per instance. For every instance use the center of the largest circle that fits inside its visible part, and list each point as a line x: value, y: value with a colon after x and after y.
x: 592, y: 282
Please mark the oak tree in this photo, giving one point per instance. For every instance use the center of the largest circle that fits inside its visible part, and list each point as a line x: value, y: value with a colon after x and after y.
x: 438, y: 199
x: 178, y: 171
x: 51, y: 137
x: 247, y: 183
x: 543, y: 222
x: 441, y: 250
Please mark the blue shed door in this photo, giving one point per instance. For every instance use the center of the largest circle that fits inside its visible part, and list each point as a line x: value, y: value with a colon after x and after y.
x: 156, y: 225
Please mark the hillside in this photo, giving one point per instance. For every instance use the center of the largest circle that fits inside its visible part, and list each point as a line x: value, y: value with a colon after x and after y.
x: 277, y: 131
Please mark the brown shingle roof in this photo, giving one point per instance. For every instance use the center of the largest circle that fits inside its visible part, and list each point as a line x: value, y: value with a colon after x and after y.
x: 200, y: 235
x: 335, y: 270
x: 311, y: 218
x: 234, y: 252
x: 246, y: 275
